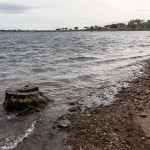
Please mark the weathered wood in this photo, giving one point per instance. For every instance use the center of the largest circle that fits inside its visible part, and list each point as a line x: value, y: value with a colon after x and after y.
x: 22, y: 98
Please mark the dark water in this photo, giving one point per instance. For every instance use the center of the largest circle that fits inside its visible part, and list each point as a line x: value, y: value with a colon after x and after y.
x: 86, y: 67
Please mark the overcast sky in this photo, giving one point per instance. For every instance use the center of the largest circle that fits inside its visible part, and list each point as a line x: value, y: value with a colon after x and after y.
x: 52, y: 14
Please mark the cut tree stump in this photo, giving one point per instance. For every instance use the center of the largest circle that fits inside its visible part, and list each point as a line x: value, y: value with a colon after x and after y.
x: 22, y: 98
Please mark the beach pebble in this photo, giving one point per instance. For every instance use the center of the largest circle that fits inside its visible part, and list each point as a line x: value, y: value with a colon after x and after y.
x: 143, y: 115
x: 88, y: 115
x: 63, y: 124
x: 143, y: 138
x: 72, y: 103
x: 74, y: 109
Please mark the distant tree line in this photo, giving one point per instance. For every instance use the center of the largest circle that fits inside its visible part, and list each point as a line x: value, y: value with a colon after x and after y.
x: 136, y: 24
x: 75, y: 28
x: 13, y: 30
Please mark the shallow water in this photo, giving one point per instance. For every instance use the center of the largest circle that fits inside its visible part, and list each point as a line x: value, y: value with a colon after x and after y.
x: 87, y: 67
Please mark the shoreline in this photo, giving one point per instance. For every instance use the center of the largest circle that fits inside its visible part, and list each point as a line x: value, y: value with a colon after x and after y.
x: 125, y: 124
x: 30, y: 31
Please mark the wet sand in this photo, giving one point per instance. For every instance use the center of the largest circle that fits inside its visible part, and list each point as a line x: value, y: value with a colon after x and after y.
x: 123, y: 125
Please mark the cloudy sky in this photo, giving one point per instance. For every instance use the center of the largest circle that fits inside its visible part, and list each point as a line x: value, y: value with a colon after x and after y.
x: 52, y: 14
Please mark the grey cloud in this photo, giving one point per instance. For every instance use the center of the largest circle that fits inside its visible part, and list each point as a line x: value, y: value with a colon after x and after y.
x: 13, y: 8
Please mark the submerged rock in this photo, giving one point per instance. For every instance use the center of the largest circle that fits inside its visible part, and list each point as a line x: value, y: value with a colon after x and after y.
x: 24, y: 99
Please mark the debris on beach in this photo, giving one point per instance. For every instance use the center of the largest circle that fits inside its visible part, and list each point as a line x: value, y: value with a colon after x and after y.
x: 25, y: 99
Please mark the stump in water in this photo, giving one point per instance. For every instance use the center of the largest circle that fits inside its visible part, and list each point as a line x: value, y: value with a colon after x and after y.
x: 25, y: 99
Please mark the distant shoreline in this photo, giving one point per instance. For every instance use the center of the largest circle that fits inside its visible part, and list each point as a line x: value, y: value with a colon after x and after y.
x: 132, y: 25
x: 70, y: 30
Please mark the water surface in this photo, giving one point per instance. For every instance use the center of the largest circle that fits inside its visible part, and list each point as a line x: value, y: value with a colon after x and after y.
x: 86, y: 67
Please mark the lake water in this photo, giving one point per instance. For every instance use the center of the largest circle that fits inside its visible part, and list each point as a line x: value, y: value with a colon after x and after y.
x: 86, y: 67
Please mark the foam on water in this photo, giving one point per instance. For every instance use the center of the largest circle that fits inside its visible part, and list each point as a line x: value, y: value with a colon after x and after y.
x: 11, y: 143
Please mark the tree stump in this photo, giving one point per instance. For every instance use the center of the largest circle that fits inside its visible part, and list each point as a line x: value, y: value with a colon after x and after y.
x: 24, y: 99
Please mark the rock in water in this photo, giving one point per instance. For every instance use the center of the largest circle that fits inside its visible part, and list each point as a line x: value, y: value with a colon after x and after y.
x: 25, y: 99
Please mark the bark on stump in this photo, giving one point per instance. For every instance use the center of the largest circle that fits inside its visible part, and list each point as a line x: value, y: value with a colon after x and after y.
x: 25, y: 99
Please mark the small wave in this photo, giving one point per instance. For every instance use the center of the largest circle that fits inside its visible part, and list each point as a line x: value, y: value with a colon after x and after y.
x: 84, y: 46
x: 62, y: 61
x: 82, y: 58
x: 4, y: 42
x: 134, y: 57
x: 144, y: 45
x: 118, y: 59
x: 37, y: 70
x: 108, y: 61
x: 14, y: 144
x: 3, y: 57
x: 141, y: 51
x: 70, y: 59
x: 65, y: 80
x: 84, y: 77
x: 18, y: 50
x: 53, y: 84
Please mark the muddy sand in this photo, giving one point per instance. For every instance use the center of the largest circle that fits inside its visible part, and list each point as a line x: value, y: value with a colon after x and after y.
x: 123, y: 125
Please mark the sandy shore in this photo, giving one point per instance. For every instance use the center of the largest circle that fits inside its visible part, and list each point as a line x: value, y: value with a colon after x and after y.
x: 123, y: 125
